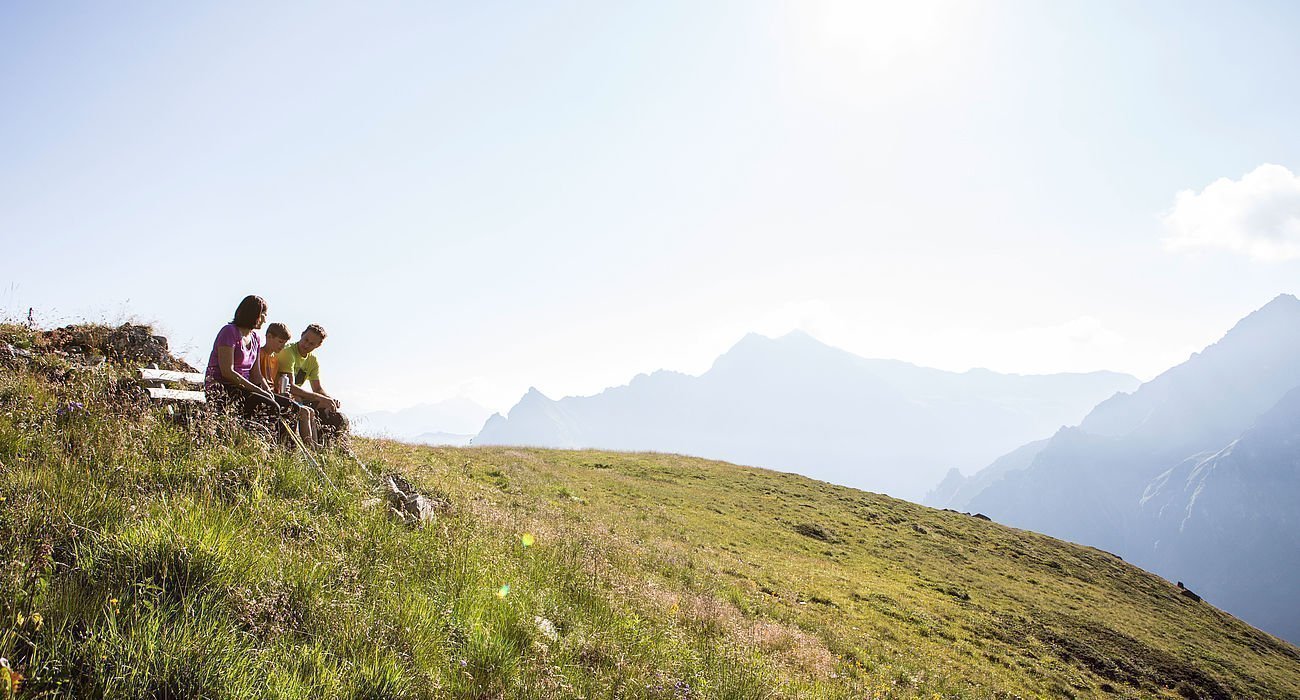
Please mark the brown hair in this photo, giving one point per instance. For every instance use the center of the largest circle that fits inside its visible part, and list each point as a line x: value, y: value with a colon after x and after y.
x: 248, y: 311
x: 279, y: 330
x: 317, y: 328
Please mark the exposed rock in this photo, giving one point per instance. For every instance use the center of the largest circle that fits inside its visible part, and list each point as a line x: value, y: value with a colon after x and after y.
x: 413, y: 507
x: 128, y: 343
x: 9, y: 355
x: 1185, y: 591
x: 815, y: 531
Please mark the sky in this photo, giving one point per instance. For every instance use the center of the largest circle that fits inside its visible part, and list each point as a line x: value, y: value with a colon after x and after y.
x: 476, y: 198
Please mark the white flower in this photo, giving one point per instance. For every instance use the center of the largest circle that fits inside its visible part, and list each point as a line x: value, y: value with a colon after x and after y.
x: 546, y: 627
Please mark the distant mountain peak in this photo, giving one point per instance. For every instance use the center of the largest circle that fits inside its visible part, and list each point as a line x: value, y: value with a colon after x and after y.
x: 1276, y: 322
x: 755, y: 349
x: 800, y: 335
x: 797, y: 335
x: 1281, y: 304
x: 534, y: 394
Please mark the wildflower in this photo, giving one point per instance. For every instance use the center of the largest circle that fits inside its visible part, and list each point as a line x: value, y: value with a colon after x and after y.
x: 546, y: 628
x: 463, y: 663
x: 527, y: 540
x: 503, y: 591
x: 37, y: 620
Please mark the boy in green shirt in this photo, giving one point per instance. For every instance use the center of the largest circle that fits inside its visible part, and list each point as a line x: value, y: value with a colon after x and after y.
x: 297, y: 365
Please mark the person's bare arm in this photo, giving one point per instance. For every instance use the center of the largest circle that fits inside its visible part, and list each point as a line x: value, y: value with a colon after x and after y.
x: 226, y: 364
x: 255, y: 376
x: 306, y: 395
x: 320, y: 391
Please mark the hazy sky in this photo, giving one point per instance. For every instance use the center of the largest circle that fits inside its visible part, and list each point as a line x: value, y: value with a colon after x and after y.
x: 478, y: 197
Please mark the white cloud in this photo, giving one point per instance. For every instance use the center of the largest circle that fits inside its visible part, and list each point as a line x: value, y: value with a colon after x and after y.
x: 1258, y: 216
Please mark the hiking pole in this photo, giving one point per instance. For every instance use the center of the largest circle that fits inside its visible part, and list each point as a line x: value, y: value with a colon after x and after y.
x: 301, y: 446
x: 357, y: 459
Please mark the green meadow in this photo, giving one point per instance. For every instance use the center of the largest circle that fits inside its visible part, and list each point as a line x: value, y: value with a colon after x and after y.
x: 150, y: 555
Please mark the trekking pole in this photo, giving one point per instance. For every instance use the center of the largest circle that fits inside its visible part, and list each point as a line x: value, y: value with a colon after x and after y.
x: 298, y: 441
x: 357, y: 459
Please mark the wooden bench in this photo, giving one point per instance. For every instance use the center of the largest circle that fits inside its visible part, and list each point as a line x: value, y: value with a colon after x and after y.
x: 156, y: 380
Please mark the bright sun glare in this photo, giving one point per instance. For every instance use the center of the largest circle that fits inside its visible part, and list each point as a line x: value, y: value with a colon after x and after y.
x: 876, y: 35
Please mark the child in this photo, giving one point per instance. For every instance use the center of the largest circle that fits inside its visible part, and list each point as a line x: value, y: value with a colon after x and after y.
x: 277, y: 334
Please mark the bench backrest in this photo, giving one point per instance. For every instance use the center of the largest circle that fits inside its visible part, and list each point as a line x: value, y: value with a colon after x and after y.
x: 166, y: 375
x: 153, y: 380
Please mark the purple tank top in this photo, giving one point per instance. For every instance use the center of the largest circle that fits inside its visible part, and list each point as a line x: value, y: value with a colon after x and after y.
x: 245, y: 353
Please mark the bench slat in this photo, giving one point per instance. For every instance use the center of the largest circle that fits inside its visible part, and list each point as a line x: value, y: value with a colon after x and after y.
x: 171, y: 376
x: 178, y: 394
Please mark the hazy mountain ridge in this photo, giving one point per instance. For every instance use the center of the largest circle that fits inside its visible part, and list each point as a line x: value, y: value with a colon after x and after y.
x: 454, y: 417
x: 795, y: 403
x: 442, y: 438
x: 956, y: 490
x: 1178, y: 444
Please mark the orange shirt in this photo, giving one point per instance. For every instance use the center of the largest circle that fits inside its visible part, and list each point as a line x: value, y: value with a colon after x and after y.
x: 268, y: 363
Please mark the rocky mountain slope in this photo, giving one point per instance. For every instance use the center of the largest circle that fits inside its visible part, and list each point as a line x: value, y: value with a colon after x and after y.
x: 1228, y: 521
x: 1087, y: 483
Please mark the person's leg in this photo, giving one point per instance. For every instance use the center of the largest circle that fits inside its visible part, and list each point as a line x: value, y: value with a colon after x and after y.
x: 258, y: 409
x: 263, y: 406
x: 298, y: 412
x: 306, y: 424
x: 316, y: 427
x: 244, y: 403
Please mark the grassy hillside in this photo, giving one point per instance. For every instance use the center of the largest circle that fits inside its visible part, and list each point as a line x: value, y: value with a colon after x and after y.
x: 148, y: 557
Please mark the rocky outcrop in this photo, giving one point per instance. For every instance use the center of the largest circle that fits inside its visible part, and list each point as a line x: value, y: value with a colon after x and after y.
x: 409, y: 504
x: 92, y: 344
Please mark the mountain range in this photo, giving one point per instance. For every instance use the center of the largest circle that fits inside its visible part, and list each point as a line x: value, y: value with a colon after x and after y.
x: 450, y: 422
x: 1195, y: 475
x: 797, y: 404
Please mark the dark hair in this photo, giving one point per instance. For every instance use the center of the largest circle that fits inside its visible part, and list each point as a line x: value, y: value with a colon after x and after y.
x: 315, y: 327
x: 248, y: 310
x: 279, y: 330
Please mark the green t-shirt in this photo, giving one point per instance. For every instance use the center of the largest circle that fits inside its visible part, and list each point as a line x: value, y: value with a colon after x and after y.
x: 299, y: 368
